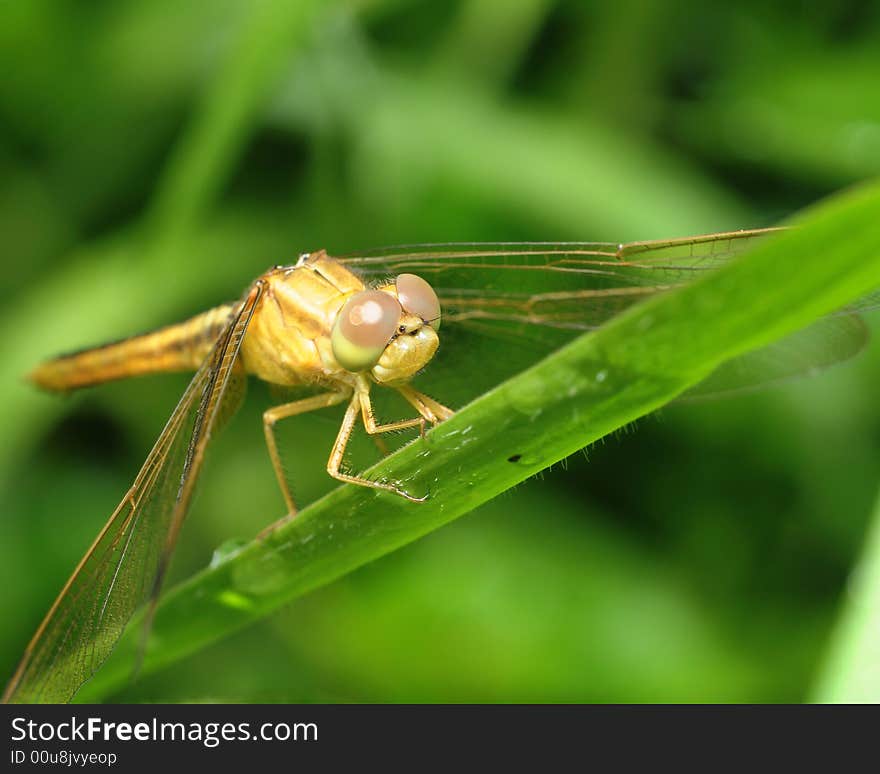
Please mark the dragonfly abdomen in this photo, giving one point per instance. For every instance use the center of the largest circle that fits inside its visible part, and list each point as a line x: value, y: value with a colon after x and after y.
x: 180, y: 347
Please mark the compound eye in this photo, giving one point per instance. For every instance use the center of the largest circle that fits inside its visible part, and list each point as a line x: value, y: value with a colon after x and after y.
x: 363, y: 329
x: 417, y: 297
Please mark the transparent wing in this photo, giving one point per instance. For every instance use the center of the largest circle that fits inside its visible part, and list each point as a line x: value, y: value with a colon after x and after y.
x: 537, y: 296
x: 566, y: 285
x: 127, y: 562
x: 829, y: 340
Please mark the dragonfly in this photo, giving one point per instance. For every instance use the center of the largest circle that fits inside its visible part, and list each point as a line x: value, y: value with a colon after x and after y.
x: 421, y: 321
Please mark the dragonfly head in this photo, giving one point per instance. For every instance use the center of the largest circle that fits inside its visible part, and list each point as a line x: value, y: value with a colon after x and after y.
x: 390, y: 331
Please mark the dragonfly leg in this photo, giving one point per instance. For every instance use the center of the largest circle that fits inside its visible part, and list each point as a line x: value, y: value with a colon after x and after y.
x: 370, y: 420
x: 380, y: 445
x: 359, y: 406
x: 429, y: 408
x: 276, y: 414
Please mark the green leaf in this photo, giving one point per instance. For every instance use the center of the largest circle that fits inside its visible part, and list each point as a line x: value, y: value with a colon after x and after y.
x: 852, y: 671
x: 598, y: 383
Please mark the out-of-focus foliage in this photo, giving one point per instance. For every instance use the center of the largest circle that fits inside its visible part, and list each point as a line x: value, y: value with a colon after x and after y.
x: 156, y: 156
x: 851, y: 673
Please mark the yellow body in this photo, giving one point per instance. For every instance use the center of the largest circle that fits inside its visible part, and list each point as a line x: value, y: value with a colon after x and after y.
x: 287, y: 342
x: 288, y: 339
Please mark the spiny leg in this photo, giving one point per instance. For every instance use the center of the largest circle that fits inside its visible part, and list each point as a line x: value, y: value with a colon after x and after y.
x: 276, y: 414
x: 338, y: 452
x: 369, y: 418
x: 429, y: 408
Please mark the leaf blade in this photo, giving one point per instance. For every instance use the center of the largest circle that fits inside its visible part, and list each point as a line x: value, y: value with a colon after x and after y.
x: 598, y: 383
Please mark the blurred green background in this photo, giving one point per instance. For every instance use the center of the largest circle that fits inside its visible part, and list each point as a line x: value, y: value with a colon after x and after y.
x: 156, y: 156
